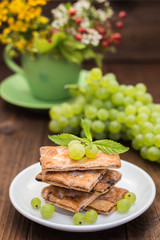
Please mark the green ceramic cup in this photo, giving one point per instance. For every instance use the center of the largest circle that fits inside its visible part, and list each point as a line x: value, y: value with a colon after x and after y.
x: 45, y: 75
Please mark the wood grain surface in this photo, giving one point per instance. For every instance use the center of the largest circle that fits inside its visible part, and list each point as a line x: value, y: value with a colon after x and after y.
x: 23, y: 132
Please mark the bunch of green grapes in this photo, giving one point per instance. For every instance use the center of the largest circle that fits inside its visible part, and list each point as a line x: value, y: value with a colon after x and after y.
x: 112, y: 111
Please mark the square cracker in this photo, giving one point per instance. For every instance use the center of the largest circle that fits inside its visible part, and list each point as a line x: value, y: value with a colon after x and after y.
x: 106, y: 203
x: 78, y: 180
x: 68, y: 199
x: 99, y: 181
x: 57, y: 159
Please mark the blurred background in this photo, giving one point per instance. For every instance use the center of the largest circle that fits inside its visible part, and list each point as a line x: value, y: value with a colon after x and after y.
x: 140, y: 36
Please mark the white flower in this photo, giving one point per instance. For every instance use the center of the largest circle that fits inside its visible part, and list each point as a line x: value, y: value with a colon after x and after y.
x: 59, y: 12
x: 91, y: 37
x: 101, y: 15
x: 81, y: 5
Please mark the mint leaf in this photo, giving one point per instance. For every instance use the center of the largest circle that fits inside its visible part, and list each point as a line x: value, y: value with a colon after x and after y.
x: 110, y: 147
x: 63, y: 139
x: 86, y: 129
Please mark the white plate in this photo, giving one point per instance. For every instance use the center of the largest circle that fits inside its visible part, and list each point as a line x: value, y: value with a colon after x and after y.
x: 24, y: 187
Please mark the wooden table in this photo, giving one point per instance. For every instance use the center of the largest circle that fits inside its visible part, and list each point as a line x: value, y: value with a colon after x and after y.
x: 22, y: 132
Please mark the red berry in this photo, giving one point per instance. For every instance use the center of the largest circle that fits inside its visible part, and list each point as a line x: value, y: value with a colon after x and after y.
x: 102, y: 37
x: 119, y: 24
x: 72, y: 11
x: 51, y: 31
x: 49, y: 40
x: 104, y: 44
x: 102, y: 31
x: 110, y: 41
x: 78, y: 20
x: 81, y: 30
x: 78, y: 36
x: 116, y: 38
x: 122, y: 14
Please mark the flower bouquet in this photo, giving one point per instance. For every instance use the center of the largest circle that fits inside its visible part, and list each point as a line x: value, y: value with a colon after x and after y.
x: 78, y: 31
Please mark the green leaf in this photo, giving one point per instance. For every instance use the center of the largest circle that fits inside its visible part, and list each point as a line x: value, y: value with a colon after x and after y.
x: 73, y: 56
x: 57, y: 37
x: 68, y: 5
x: 63, y: 139
x: 71, y: 43
x: 86, y: 129
x: 110, y: 147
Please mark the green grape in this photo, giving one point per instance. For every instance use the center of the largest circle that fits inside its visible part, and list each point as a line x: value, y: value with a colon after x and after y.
x: 141, y: 118
x: 123, y: 205
x: 117, y: 98
x: 134, y: 145
x: 89, y: 122
x: 148, y: 139
x: 128, y: 101
x: 102, y: 93
x: 121, y: 117
x: 148, y: 98
x: 157, y: 140
x: 54, y: 126
x: 67, y: 110
x: 107, y: 122
x: 55, y: 113
x: 129, y: 134
x: 107, y: 79
x: 122, y: 88
x: 78, y: 218
x: 123, y: 128
x: 67, y: 129
x: 102, y: 114
x: 71, y: 143
x: 144, y: 109
x: 114, y: 126
x: 90, y: 216
x: 154, y: 116
x: 99, y: 136
x: 90, y: 112
x: 138, y: 104
x: 156, y: 129
x: 139, y: 140
x: 77, y: 151
x: 76, y: 130
x: 130, y: 120
x: 80, y: 100
x: 130, y: 91
x: 140, y: 96
x: 130, y: 110
x: 143, y: 152
x: 153, y: 153
x: 124, y: 136
x: 97, y: 103
x: 108, y: 104
x: 77, y: 108
x: 147, y: 127
x: 89, y: 90
x: 47, y: 210
x: 135, y: 129
x: 115, y: 136
x: 113, y: 113
x: 74, y: 122
x: 156, y: 108
x: 130, y: 196
x: 95, y: 73
x: 63, y: 121
x: 141, y: 87
x: 91, y: 152
x: 98, y: 126
x: 157, y: 120
x: 36, y: 203
x: 121, y: 108
x: 94, y: 85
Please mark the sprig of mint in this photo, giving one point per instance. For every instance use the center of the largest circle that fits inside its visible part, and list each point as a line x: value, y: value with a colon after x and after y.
x: 106, y: 145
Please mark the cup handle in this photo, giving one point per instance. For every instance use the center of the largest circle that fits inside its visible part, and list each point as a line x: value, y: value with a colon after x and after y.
x: 11, y: 64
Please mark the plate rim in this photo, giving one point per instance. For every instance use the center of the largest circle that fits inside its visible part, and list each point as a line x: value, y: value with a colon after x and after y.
x: 84, y: 228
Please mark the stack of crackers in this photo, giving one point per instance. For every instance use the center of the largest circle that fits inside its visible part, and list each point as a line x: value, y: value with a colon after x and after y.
x: 84, y: 184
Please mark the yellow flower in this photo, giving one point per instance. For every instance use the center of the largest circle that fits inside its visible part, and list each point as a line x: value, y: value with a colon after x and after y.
x: 10, y: 20
x: 42, y: 20
x: 34, y: 3
x: 6, y: 31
